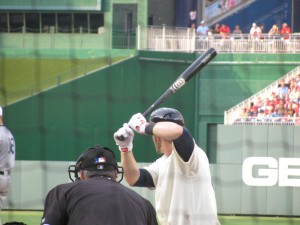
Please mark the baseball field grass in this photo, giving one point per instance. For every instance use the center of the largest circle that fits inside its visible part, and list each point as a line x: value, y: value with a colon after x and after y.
x: 34, y: 218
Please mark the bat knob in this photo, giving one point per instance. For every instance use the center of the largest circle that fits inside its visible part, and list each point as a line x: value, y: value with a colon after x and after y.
x: 121, y: 138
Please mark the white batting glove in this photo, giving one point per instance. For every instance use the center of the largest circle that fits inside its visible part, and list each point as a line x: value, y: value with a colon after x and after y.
x: 138, y: 123
x: 124, y: 137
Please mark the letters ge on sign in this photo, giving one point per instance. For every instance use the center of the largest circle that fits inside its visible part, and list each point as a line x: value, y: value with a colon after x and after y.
x: 270, y: 171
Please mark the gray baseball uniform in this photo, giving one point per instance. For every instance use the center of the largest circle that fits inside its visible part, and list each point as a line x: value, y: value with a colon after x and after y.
x: 7, y: 161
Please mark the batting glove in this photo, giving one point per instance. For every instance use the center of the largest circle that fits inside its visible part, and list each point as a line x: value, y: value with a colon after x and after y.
x: 124, y: 137
x: 138, y: 123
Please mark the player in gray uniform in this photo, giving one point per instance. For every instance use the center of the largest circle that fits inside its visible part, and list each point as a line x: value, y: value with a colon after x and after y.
x: 7, y: 159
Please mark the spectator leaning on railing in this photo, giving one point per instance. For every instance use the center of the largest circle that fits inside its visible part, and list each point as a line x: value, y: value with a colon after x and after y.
x: 224, y: 30
x: 237, y: 30
x: 255, y: 31
x: 274, y: 30
x: 202, y: 30
x: 285, y: 31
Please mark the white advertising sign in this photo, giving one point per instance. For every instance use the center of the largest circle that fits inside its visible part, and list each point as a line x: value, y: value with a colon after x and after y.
x: 270, y: 171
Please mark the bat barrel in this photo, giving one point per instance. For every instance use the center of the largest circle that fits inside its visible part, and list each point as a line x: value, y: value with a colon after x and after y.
x: 198, y: 64
x: 195, y: 67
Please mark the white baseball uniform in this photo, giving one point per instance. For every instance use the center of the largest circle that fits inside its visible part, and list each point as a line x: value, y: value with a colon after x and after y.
x: 7, y: 161
x: 183, y: 190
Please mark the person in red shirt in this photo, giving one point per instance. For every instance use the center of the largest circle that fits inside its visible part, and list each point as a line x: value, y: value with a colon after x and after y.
x: 224, y: 30
x: 285, y: 31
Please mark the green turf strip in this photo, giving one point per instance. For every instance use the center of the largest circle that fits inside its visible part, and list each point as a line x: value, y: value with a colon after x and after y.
x: 27, y: 217
x: 34, y: 218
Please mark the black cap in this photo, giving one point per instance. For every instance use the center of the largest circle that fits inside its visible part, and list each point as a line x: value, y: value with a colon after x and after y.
x: 97, y: 158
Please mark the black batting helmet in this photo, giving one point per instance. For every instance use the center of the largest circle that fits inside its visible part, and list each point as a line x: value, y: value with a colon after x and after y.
x: 167, y: 114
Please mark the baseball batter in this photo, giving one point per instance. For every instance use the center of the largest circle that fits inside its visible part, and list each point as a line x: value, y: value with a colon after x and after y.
x: 181, y: 176
x: 7, y: 158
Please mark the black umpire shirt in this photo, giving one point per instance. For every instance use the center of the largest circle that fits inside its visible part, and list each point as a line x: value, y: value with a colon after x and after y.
x: 96, y: 201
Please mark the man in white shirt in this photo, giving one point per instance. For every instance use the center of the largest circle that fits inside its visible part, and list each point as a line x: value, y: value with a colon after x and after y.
x: 181, y: 176
x: 255, y: 31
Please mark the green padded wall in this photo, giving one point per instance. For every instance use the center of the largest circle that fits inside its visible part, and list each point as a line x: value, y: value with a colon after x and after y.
x: 61, y: 122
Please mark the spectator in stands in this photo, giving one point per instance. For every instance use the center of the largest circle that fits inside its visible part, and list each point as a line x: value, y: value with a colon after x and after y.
x: 294, y: 95
x: 271, y: 111
x: 285, y: 31
x: 282, y: 90
x: 193, y: 17
x: 262, y: 28
x: 202, y: 30
x: 216, y: 29
x: 259, y: 102
x: 275, y: 114
x: 290, y: 112
x: 237, y: 33
x: 265, y: 106
x: 231, y: 4
x: 260, y: 115
x: 192, y: 28
x: 253, y: 111
x: 243, y: 113
x: 274, y: 30
x: 224, y: 31
x: 210, y: 34
x: 297, y: 80
x: 291, y: 83
x: 297, y: 120
x: 255, y: 31
x: 237, y: 30
x: 273, y: 99
x: 296, y: 107
x: 223, y: 5
x: 281, y: 108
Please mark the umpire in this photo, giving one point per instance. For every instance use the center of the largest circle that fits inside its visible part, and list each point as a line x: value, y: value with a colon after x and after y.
x: 95, y: 197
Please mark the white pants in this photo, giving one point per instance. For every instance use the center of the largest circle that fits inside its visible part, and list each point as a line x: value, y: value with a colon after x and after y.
x: 5, y: 181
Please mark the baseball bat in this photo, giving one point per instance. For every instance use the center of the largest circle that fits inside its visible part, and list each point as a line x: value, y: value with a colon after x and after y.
x: 183, y: 78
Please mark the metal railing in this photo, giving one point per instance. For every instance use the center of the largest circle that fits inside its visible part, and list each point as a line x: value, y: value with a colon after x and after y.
x: 162, y: 38
x: 291, y: 121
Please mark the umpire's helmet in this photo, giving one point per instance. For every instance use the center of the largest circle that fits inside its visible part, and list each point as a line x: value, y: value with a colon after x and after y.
x: 96, y: 158
x: 167, y: 114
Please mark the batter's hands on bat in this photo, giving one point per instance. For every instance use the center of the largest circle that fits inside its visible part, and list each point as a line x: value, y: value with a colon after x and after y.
x: 138, y: 123
x: 127, y: 134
